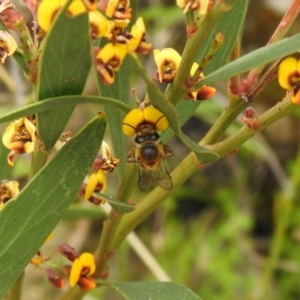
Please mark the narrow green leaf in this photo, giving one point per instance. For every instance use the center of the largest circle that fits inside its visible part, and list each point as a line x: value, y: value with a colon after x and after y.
x: 5, y: 171
x: 120, y: 91
x: 26, y: 221
x: 60, y: 102
x: 153, y: 291
x: 236, y: 15
x: 118, y: 206
x: 83, y: 211
x: 254, y: 59
x: 63, y: 69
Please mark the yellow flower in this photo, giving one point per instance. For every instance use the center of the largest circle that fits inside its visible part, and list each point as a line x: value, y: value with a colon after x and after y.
x: 202, y: 6
x: 109, y: 59
x: 167, y: 61
x: 188, y: 5
x: 205, y: 92
x: 137, y: 42
x: 289, y: 77
x: 8, y: 190
x: 91, y: 5
x: 83, y: 267
x: 137, y: 119
x: 49, y: 8
x: 8, y: 45
x: 96, y: 183
x: 19, y: 137
x: 98, y: 23
x: 118, y: 9
x: 104, y: 160
x: 116, y: 32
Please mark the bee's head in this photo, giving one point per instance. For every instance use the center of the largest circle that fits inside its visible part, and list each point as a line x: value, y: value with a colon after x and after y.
x: 148, y: 120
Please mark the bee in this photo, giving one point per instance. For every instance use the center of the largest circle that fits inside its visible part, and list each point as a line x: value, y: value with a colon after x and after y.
x: 149, y: 152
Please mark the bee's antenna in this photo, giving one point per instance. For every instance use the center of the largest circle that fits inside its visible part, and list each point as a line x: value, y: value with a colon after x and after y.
x: 130, y: 126
x: 159, y: 119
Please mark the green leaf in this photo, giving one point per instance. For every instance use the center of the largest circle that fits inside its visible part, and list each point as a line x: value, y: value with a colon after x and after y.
x: 6, y: 171
x: 153, y: 291
x: 254, y: 59
x: 63, y: 69
x: 235, y: 16
x: 118, y: 206
x: 78, y: 211
x: 27, y: 220
x: 120, y: 91
x: 61, y: 101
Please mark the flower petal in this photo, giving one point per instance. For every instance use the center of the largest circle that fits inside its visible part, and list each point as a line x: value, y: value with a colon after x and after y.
x: 75, y: 272
x: 88, y: 262
x: 90, y: 187
x: 287, y: 67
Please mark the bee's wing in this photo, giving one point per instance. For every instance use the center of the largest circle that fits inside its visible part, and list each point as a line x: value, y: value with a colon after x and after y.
x: 148, y: 178
x: 164, y: 178
x: 131, y: 157
x: 168, y: 153
x: 152, y: 178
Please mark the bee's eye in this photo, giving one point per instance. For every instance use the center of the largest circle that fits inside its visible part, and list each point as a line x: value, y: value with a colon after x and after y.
x: 140, y: 139
x: 154, y: 136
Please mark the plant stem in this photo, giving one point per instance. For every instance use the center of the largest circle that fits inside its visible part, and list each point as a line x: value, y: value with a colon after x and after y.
x: 110, y: 225
x: 256, y: 125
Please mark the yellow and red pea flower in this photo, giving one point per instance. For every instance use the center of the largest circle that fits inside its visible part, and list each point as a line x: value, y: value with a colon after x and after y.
x: 137, y: 42
x: 188, y: 5
x: 96, y: 183
x: 138, y: 118
x: 118, y: 9
x: 116, y: 32
x: 19, y: 137
x: 201, y: 6
x: 8, y: 46
x: 80, y: 273
x: 289, y: 77
x: 8, y: 190
x: 104, y: 160
x: 167, y: 61
x: 90, y: 4
x: 48, y: 9
x: 204, y: 92
x: 98, y: 23
x: 109, y: 59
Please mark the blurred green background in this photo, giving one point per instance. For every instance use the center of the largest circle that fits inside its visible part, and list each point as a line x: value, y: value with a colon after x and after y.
x: 232, y: 231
